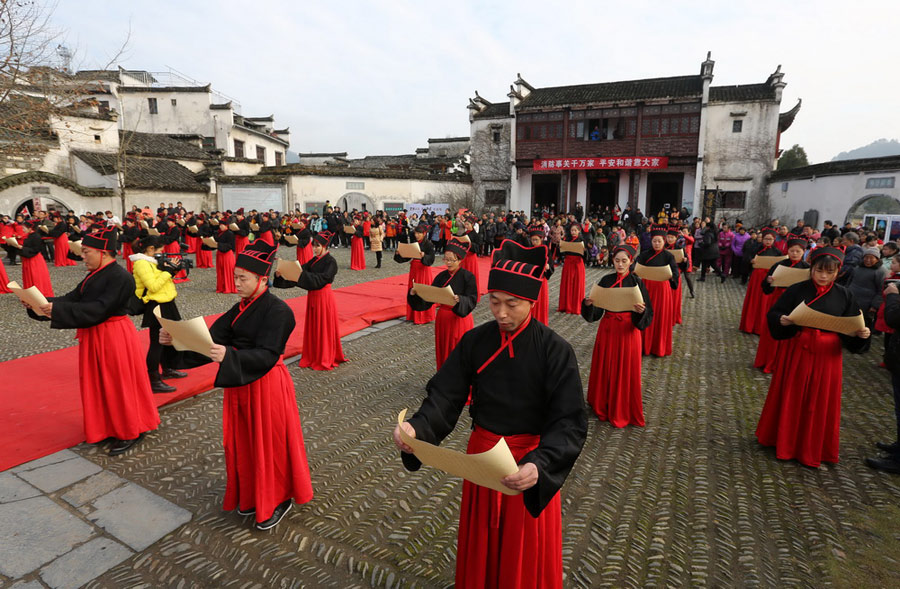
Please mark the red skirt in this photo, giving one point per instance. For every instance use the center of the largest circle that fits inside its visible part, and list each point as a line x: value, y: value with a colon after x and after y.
x: 541, y: 308
x: 4, y: 280
x: 240, y: 243
x: 225, y: 272
x: 753, y: 314
x: 500, y: 544
x: 193, y: 244
x: 470, y: 263
x: 657, y: 337
x: 448, y: 329
x: 61, y: 251
x: 321, y: 338
x: 767, y: 348
x: 127, y: 251
x: 305, y: 253
x: 802, y: 414
x: 265, y: 460
x: 267, y: 237
x: 571, y: 285
x: 35, y: 273
x: 204, y: 258
x: 357, y: 253
x: 419, y: 272
x: 676, y: 303
x: 115, y: 388
x: 614, y: 388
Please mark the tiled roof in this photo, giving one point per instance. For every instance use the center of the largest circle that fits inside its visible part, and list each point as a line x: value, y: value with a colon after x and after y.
x: 741, y: 93
x: 147, y: 173
x: 156, y: 145
x: 165, y: 88
x: 96, y: 75
x: 357, y: 172
x: 224, y: 106
x: 495, y: 110
x: 889, y: 163
x: 47, y: 177
x: 627, y: 91
x: 449, y: 140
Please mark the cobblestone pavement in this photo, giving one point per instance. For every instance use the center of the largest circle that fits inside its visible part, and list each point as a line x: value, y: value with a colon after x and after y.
x: 688, y: 500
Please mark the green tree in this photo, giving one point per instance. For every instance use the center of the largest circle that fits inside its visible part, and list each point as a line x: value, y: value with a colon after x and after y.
x: 795, y: 157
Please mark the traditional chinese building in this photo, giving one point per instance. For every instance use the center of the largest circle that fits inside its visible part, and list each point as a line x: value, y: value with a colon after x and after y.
x: 655, y: 144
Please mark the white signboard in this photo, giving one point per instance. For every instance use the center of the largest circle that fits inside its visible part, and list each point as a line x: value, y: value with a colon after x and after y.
x: 418, y: 209
x: 261, y: 198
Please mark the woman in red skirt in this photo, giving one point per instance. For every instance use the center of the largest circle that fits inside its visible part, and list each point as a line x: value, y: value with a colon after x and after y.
x: 204, y: 252
x: 541, y: 308
x: 451, y: 322
x: 614, y: 388
x: 61, y: 243
x: 753, y: 313
x: 657, y: 337
x: 225, y: 260
x: 571, y: 283
x: 767, y: 348
x: 470, y: 262
x: 419, y: 271
x: 672, y: 235
x: 357, y: 247
x: 304, y: 241
x: 265, y: 459
x: 242, y: 235
x: 322, y: 348
x: 34, y: 268
x: 802, y: 414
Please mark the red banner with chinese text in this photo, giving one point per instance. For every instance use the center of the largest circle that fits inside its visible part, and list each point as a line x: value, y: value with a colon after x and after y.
x: 602, y: 163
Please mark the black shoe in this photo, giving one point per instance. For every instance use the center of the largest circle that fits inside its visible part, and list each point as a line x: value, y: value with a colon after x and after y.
x: 723, y: 278
x: 122, y: 446
x: 279, y: 513
x: 158, y: 386
x: 172, y: 373
x: 889, y: 448
x: 891, y: 464
x: 248, y: 511
x: 703, y: 279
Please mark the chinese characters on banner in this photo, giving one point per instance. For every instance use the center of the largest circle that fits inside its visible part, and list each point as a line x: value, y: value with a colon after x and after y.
x: 603, y: 163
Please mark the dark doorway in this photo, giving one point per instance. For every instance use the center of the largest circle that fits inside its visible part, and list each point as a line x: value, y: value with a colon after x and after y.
x: 545, y: 192
x: 663, y: 193
x: 603, y: 193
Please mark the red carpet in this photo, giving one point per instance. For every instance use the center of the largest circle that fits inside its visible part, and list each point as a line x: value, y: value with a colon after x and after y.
x: 40, y: 420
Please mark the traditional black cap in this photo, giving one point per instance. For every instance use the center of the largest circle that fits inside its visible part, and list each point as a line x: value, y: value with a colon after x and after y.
x: 257, y: 258
x: 105, y: 239
x: 624, y: 247
x: 673, y: 230
x: 768, y: 231
x: 421, y: 228
x: 533, y: 230
x: 517, y: 270
x: 657, y: 230
x: 826, y: 251
x: 323, y: 238
x: 458, y: 247
x: 793, y: 240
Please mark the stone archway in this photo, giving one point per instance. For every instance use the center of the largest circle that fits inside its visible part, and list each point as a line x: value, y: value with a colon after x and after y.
x: 47, y: 203
x: 356, y: 200
x: 873, y: 204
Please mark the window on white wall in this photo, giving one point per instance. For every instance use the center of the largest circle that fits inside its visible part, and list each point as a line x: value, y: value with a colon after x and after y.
x: 880, y: 182
x: 356, y: 185
x: 151, y: 106
x: 737, y: 126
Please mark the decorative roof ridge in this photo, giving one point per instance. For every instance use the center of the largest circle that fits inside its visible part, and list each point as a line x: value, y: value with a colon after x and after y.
x: 41, y: 176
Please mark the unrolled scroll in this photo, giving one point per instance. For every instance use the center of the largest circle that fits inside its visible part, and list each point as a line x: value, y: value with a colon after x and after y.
x: 485, y: 469
x: 75, y: 247
x: 209, y: 242
x: 254, y: 227
x: 806, y: 317
x: 409, y: 250
x: 659, y: 273
x: 289, y: 270
x: 435, y: 294
x: 191, y: 335
x: 152, y: 231
x: 30, y: 296
x: 575, y: 247
x: 291, y: 239
x: 193, y: 229
x: 464, y: 238
x: 616, y: 300
x: 233, y: 226
x: 766, y: 262
x: 12, y: 241
x: 784, y: 276
x: 679, y: 256
x: 350, y: 229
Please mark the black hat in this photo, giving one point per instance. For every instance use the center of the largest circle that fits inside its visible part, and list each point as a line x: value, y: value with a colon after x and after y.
x: 323, y: 238
x: 458, y: 247
x: 104, y: 239
x: 421, y: 228
x: 257, y: 258
x: 657, y: 230
x: 624, y: 247
x: 517, y: 270
x: 768, y: 231
x: 826, y: 251
x: 534, y: 230
x: 673, y: 230
x: 793, y: 240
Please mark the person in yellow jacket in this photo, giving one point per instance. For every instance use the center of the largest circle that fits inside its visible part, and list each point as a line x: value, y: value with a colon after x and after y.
x: 154, y: 286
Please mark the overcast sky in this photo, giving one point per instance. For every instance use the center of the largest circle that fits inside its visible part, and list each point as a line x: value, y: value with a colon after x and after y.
x: 382, y: 77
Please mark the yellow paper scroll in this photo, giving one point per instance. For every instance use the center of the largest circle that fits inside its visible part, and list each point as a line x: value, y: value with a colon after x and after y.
x: 75, y: 247
x: 435, y: 294
x: 289, y: 270
x: 784, y: 276
x: 232, y: 226
x: 766, y: 262
x: 254, y: 227
x: 191, y: 335
x: 575, y: 247
x: 660, y: 273
x: 616, y: 300
x: 350, y: 229
x: 193, y: 229
x: 209, y: 242
x: 31, y: 296
x: 679, y: 256
x: 291, y: 239
x: 485, y: 469
x: 806, y: 317
x: 409, y: 250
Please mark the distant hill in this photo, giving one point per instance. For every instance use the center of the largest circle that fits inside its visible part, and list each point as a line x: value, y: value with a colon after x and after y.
x: 879, y: 148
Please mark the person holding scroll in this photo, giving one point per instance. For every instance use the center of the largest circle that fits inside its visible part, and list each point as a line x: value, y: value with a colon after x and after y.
x: 112, y: 376
x: 225, y: 247
x: 204, y: 252
x: 470, y: 262
x: 672, y: 236
x: 242, y: 235
x: 34, y: 267
x: 541, y: 309
x: 130, y: 234
x: 753, y: 312
x: 304, y: 241
x: 526, y: 388
x: 767, y: 348
x: 171, y: 234
x: 571, y: 282
x: 802, y: 414
x: 451, y: 322
x: 322, y: 348
x: 60, y: 242
x: 265, y: 458
x: 614, y: 386
x: 357, y: 247
x: 657, y: 337
x: 419, y: 271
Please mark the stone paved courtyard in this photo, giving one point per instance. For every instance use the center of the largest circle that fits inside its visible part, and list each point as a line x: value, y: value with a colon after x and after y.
x: 688, y: 500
